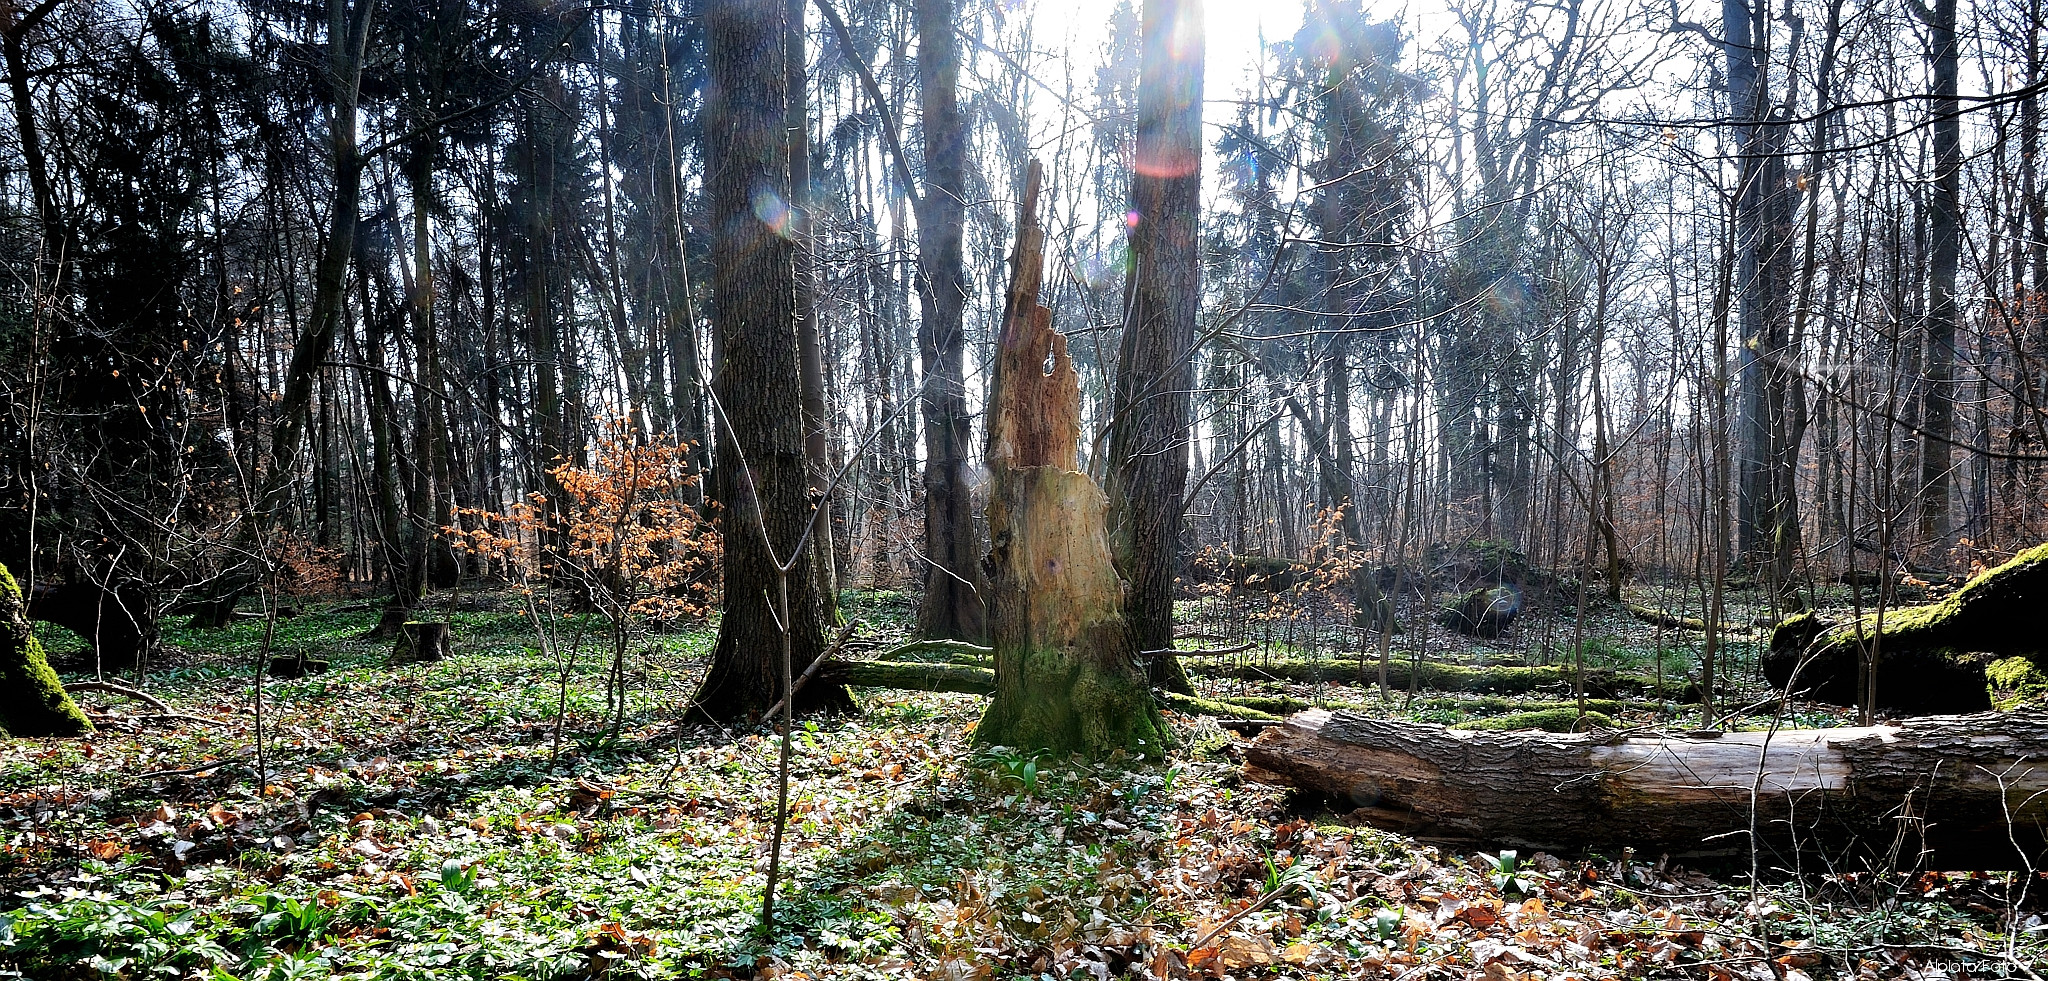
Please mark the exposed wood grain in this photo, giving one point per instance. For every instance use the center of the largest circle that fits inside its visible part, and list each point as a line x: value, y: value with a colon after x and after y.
x: 1946, y: 783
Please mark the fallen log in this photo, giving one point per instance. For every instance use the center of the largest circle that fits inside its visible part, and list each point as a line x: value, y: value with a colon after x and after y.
x: 1401, y: 674
x: 939, y: 650
x: 1945, y: 784
x: 968, y: 680
x: 910, y: 676
x: 1676, y: 621
x: 1929, y: 658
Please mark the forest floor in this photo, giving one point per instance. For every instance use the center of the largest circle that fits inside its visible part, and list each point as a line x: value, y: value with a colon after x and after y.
x: 435, y: 821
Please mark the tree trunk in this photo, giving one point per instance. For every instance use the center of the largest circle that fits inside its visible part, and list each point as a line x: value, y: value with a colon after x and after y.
x: 953, y: 605
x: 757, y: 379
x: 1943, y: 783
x: 346, y: 39
x: 1148, y: 435
x: 1067, y: 675
x: 810, y: 326
x: 33, y: 701
x: 1945, y: 246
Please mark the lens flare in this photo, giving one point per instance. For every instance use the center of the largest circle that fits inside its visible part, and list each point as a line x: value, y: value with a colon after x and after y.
x: 773, y: 211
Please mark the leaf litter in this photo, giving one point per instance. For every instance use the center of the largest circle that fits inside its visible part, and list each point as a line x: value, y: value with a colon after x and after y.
x: 414, y: 825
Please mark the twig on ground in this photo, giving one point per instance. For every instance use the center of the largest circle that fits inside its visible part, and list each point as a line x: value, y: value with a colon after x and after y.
x: 125, y: 692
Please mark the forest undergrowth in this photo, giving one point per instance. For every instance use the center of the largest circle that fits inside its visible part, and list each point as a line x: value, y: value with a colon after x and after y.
x: 424, y: 821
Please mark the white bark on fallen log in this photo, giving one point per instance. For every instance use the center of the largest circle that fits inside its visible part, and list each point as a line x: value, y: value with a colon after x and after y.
x: 1972, y: 790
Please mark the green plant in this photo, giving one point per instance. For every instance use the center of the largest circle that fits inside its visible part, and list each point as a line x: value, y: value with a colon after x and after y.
x: 457, y: 877
x: 1013, y: 767
x: 1507, y: 872
x: 1386, y: 925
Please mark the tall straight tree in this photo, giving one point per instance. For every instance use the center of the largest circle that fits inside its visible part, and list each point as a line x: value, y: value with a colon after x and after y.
x: 952, y: 598
x: 1148, y: 436
x: 1767, y: 518
x: 760, y: 470
x: 1944, y: 248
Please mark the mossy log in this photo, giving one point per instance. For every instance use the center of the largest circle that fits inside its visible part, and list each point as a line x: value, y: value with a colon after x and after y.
x: 1679, y: 621
x: 1946, y: 783
x: 1930, y: 658
x: 1221, y: 708
x: 942, y: 650
x: 928, y: 676
x: 422, y: 640
x: 1067, y: 674
x: 909, y: 676
x: 1501, y: 680
x: 1478, y: 706
x: 1561, y: 719
x: 33, y: 701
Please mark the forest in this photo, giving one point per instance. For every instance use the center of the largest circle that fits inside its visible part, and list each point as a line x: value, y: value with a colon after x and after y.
x: 974, y: 489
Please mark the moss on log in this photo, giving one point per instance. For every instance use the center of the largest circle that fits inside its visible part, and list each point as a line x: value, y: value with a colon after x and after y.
x: 2016, y: 683
x: 1678, y: 621
x: 1546, y: 720
x: 33, y: 701
x: 968, y: 680
x: 910, y: 676
x: 1219, y: 708
x: 1930, y: 658
x: 1447, y: 677
x: 946, y: 651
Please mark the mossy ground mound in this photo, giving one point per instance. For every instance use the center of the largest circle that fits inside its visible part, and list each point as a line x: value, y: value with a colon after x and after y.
x: 1931, y: 658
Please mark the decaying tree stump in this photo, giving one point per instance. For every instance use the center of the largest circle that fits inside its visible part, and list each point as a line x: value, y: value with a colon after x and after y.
x: 33, y: 701
x: 421, y: 641
x: 1944, y: 783
x: 1483, y: 612
x: 1067, y: 675
x: 1930, y: 658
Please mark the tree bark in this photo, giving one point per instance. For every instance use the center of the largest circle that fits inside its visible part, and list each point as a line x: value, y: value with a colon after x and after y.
x: 1148, y: 436
x: 953, y: 606
x: 33, y: 701
x: 757, y: 378
x: 1957, y: 786
x: 1944, y: 246
x: 1067, y: 675
x: 810, y: 326
x: 346, y: 37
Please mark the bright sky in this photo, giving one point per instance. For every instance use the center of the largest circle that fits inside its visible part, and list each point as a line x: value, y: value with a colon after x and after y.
x: 1234, y: 28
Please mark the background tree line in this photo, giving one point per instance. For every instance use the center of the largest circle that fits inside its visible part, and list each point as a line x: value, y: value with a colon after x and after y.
x: 1688, y: 293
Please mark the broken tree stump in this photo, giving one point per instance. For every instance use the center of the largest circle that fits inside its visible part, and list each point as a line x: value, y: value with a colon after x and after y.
x: 1942, y: 783
x: 1067, y: 674
x: 421, y: 640
x: 1929, y: 658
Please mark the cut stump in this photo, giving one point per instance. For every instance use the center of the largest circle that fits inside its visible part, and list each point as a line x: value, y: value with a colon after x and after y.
x: 1942, y: 783
x: 1067, y: 674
